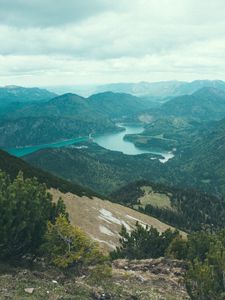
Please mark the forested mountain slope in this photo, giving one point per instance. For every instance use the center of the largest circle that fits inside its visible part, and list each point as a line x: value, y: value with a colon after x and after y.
x: 71, y: 105
x: 205, y: 104
x: 67, y: 116
x: 13, y: 165
x: 188, y: 209
x: 99, y: 169
x: 202, y: 162
x: 13, y: 98
x: 21, y: 94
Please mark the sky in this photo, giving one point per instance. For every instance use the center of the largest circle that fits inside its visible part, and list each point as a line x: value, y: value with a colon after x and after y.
x: 75, y: 42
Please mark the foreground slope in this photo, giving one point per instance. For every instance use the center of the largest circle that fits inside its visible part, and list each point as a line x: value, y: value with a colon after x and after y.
x: 131, y: 280
x: 102, y: 219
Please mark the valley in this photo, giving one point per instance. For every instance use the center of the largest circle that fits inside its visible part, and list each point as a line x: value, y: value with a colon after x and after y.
x: 111, y: 141
x: 122, y: 167
x: 112, y: 150
x: 166, y: 147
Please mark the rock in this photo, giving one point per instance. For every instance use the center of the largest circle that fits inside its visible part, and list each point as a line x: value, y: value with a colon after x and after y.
x: 97, y: 295
x: 105, y: 297
x: 29, y: 290
x: 132, y: 297
x: 140, y: 278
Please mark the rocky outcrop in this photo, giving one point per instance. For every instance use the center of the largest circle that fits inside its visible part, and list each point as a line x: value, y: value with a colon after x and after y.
x: 160, y: 276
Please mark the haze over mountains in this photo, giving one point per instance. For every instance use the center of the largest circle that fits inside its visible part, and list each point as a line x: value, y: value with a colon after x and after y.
x: 162, y: 89
x: 15, y: 97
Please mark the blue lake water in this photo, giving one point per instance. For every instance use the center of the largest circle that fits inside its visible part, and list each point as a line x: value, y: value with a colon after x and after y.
x: 110, y: 141
x: 21, y: 151
x: 116, y: 142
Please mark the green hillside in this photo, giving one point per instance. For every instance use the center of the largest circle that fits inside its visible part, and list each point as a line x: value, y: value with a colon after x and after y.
x: 117, y: 105
x: 13, y: 98
x: 21, y: 94
x: 43, y: 130
x: 12, y: 165
x: 99, y: 169
x: 64, y: 117
x: 202, y: 162
x: 205, y: 104
x: 188, y: 209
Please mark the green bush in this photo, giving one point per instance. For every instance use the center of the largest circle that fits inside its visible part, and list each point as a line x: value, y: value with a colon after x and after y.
x: 68, y: 246
x: 177, y: 248
x: 25, y: 207
x: 143, y: 243
x: 205, y: 256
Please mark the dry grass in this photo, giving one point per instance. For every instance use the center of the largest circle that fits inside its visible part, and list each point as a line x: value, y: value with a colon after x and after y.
x: 102, y: 219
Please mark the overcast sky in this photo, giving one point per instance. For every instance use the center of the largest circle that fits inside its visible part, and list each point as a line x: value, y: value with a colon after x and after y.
x: 70, y: 42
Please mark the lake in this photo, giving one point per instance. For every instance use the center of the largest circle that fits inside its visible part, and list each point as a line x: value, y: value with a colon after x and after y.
x: 110, y: 141
x: 116, y: 142
x: 22, y: 151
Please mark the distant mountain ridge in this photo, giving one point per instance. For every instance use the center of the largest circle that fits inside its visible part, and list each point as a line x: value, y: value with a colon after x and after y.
x: 70, y: 105
x: 14, y: 97
x: 162, y: 89
x: 208, y: 103
x: 13, y: 93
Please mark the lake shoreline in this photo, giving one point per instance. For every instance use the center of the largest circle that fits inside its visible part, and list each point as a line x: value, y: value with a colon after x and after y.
x: 113, y: 141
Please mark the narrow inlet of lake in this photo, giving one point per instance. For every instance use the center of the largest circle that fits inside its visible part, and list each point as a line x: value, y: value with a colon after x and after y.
x: 116, y: 142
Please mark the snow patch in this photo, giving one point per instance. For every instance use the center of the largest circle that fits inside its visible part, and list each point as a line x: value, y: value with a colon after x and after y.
x: 139, y: 221
x: 108, y: 217
x: 105, y: 230
x: 132, y: 218
x: 104, y: 242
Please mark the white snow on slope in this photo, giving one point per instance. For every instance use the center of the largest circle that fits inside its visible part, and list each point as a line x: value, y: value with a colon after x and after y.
x: 108, y: 217
x: 105, y: 230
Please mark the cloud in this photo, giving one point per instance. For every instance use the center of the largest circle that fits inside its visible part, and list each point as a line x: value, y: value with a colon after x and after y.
x: 50, y: 13
x: 108, y: 41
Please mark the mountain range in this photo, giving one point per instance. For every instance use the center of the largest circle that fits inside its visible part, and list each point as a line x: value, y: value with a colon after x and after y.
x: 13, y: 93
x: 206, y: 104
x: 162, y: 89
x: 65, y: 117
x: 15, y: 97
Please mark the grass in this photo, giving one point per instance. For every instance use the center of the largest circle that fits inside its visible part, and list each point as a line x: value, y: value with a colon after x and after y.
x: 121, y: 285
x: 155, y: 199
x: 86, y: 213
